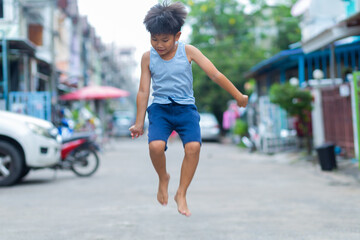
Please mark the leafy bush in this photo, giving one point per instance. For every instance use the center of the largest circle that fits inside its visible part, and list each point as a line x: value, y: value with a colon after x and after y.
x: 240, y: 128
x: 292, y: 99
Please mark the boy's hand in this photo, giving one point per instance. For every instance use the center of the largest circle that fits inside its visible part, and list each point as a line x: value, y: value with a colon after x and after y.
x: 136, y: 131
x: 242, y: 101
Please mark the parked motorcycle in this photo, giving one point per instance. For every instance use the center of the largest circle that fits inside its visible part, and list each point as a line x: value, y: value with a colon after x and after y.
x: 79, y: 154
x: 252, y: 140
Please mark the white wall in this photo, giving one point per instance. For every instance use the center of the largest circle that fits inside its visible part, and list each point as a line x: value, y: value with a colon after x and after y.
x: 10, y: 23
x: 319, y: 15
x: 44, y: 51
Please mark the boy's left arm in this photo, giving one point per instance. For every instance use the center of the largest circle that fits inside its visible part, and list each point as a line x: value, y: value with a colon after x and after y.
x: 208, y: 67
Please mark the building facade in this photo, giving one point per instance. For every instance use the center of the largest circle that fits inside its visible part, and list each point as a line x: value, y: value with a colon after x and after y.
x: 330, y: 44
x: 49, y: 49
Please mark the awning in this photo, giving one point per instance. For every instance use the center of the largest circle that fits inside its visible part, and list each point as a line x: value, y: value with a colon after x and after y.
x: 346, y: 28
x: 276, y: 60
x: 95, y: 92
x: 22, y: 45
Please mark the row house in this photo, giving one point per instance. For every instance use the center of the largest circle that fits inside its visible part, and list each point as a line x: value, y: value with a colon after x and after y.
x: 48, y: 49
x: 336, y: 107
x: 26, y: 52
x: 329, y: 44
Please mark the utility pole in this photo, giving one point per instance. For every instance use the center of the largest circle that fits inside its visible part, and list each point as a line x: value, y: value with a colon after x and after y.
x: 5, y: 69
x: 53, y: 81
x: 332, y: 62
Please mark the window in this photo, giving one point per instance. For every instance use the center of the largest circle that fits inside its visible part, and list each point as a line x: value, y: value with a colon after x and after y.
x: 35, y: 32
x: 1, y: 8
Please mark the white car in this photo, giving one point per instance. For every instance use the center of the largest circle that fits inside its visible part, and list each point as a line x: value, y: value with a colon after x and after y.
x: 209, y: 126
x: 26, y: 143
x: 122, y: 121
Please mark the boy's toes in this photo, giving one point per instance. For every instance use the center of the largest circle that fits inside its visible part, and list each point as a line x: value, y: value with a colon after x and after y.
x: 182, y: 205
x: 185, y: 213
x: 162, y: 200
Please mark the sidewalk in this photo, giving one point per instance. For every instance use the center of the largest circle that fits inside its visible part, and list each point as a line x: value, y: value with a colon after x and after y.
x: 347, y: 171
x: 349, y: 168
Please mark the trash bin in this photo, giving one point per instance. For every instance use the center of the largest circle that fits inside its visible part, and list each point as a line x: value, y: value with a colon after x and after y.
x: 326, y: 154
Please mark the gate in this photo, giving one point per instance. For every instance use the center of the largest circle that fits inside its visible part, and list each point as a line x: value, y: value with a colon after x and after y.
x: 338, y: 125
x: 274, y: 121
x: 36, y: 104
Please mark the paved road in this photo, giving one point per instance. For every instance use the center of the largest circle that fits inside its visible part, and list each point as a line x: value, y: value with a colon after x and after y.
x: 234, y: 195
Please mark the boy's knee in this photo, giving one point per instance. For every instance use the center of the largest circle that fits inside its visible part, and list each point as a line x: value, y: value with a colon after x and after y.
x: 192, y: 148
x: 157, y: 147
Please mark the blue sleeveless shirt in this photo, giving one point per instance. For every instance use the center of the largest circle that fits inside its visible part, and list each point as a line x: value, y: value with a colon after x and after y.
x: 172, y: 78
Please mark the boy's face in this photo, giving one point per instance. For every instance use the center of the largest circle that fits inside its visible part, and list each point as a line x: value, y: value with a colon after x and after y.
x: 164, y: 44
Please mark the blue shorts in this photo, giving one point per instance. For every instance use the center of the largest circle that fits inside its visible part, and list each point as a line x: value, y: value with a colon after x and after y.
x: 165, y: 118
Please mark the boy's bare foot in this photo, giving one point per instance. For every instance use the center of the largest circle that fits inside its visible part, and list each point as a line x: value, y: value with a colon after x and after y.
x: 182, y: 205
x: 162, y: 194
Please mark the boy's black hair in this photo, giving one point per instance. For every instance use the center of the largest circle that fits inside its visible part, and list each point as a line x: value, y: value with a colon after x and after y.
x: 165, y: 18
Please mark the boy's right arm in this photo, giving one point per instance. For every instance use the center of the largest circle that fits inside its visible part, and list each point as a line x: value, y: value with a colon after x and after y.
x: 142, y: 97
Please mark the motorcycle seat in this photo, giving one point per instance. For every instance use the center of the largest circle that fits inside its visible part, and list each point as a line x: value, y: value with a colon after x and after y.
x: 77, y: 136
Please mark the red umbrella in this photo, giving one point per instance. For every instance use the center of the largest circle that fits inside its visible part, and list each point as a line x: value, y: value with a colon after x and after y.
x: 95, y: 92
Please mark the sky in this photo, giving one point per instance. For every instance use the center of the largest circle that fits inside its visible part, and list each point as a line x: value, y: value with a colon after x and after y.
x: 121, y: 22
x: 117, y: 21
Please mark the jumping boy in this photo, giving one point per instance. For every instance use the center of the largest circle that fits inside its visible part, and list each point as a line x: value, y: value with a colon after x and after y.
x: 168, y: 65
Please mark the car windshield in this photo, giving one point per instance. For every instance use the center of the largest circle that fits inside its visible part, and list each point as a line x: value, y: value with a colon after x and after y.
x: 127, y: 115
x: 207, y: 117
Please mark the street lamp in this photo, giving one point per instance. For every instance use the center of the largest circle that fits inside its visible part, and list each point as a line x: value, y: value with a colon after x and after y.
x: 294, y: 81
x: 318, y: 74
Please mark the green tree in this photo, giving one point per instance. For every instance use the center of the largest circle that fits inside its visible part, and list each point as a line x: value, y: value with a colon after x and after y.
x: 278, y: 17
x: 224, y: 32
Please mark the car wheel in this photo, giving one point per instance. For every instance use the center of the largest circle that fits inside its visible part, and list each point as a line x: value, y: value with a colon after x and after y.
x: 11, y: 164
x: 25, y: 172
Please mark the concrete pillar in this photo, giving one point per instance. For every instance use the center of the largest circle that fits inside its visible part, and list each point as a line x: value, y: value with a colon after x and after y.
x: 26, y: 72
x: 317, y: 118
x: 33, y: 75
x: 301, y: 69
x: 332, y: 61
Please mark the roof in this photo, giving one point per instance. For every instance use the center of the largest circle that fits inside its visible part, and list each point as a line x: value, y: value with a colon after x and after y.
x: 288, y: 56
x: 23, y: 45
x: 273, y: 61
x: 345, y: 28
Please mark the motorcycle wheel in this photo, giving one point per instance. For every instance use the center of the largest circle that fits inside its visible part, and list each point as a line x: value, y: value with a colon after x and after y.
x: 85, y: 163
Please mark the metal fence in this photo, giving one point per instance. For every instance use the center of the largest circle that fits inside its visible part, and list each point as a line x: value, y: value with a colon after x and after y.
x: 36, y: 104
x: 273, y: 123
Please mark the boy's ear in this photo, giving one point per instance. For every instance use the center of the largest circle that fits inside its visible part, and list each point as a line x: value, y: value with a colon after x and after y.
x: 177, y: 36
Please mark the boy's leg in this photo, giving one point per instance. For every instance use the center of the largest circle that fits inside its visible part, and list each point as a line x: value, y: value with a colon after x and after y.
x: 190, y: 162
x: 157, y: 155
